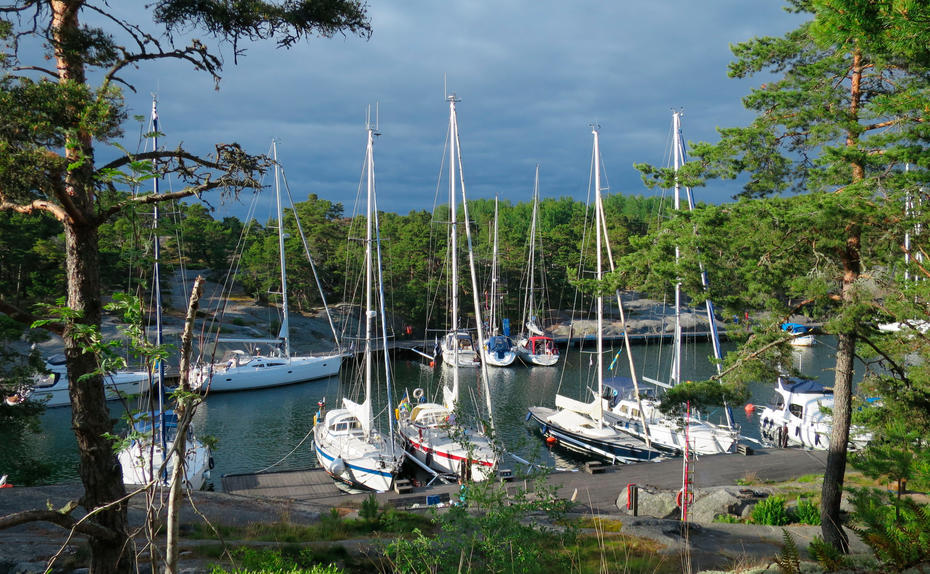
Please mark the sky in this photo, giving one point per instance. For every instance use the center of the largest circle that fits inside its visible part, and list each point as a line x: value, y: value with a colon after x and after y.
x: 532, y: 75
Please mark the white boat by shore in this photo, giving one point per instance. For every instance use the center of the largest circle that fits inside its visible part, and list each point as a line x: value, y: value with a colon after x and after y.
x: 242, y: 371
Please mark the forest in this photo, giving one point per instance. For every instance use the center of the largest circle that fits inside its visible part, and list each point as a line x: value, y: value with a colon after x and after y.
x: 32, y: 270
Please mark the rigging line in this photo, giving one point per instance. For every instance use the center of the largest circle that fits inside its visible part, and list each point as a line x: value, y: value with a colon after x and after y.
x: 303, y: 240
x: 302, y: 441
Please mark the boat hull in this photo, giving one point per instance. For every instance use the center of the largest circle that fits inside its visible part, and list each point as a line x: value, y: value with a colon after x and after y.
x: 140, y: 461
x: 671, y: 434
x: 117, y: 385
x: 357, y: 464
x: 264, y: 372
x: 445, y: 447
x: 569, y: 431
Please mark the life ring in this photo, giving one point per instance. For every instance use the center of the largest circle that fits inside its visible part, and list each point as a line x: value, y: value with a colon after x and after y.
x: 418, y: 393
x: 680, y: 495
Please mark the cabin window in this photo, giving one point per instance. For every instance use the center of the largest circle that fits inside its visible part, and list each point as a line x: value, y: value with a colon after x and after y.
x: 796, y: 410
x: 624, y: 410
x: 635, y: 412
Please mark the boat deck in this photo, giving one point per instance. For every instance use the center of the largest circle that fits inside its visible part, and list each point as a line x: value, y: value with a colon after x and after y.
x: 597, y: 492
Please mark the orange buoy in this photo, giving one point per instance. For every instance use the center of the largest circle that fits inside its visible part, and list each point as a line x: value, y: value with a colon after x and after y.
x: 551, y: 440
x: 432, y: 363
x: 749, y: 408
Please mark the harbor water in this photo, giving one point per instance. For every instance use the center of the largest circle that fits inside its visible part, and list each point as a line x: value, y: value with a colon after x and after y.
x: 271, y: 429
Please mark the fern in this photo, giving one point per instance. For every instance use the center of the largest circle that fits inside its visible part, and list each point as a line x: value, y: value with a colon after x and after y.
x: 789, y: 561
x: 897, y: 531
x: 827, y: 556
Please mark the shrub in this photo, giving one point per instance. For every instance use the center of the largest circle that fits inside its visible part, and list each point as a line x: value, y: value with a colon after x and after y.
x: 807, y: 512
x: 897, y: 530
x: 771, y: 512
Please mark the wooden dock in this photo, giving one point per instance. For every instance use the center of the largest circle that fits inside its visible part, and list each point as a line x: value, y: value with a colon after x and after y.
x: 597, y: 492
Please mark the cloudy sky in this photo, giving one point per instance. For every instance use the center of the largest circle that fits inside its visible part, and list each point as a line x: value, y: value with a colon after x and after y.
x: 531, y: 76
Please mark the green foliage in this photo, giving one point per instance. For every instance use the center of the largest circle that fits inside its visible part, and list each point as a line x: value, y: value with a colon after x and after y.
x: 896, y: 529
x: 274, y: 561
x: 369, y: 509
x: 488, y: 534
x: 788, y: 560
x: 806, y: 512
x: 727, y: 519
x: 702, y: 395
x: 828, y: 556
x: 771, y: 511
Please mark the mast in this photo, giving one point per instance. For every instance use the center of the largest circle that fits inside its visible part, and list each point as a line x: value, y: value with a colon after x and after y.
x: 530, y: 300
x: 453, y: 245
x: 676, y: 359
x: 159, y: 335
x: 600, y: 300
x: 493, y: 318
x: 369, y: 311
x: 705, y: 283
x: 384, y: 334
x: 284, y: 332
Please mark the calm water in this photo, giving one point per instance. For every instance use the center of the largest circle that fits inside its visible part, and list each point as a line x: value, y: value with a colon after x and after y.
x: 256, y: 430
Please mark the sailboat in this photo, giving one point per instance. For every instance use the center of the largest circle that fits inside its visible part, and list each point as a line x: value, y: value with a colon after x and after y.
x: 52, y: 388
x: 347, y: 444
x: 638, y: 413
x: 582, y: 426
x: 535, y: 347
x: 240, y: 371
x: 499, y: 348
x: 148, y: 457
x: 430, y: 430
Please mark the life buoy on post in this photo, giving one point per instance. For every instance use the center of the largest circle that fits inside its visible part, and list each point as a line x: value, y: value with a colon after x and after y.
x: 680, y: 496
x: 418, y: 393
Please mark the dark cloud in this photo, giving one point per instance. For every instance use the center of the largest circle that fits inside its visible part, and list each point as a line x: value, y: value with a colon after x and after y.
x: 532, y: 75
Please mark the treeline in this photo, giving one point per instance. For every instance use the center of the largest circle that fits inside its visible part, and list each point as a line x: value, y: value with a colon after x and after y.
x: 414, y: 248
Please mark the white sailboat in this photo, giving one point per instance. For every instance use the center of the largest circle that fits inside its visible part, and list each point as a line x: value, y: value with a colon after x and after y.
x: 240, y: 371
x: 534, y: 347
x: 52, y: 388
x: 347, y: 444
x: 154, y: 432
x: 640, y: 415
x: 579, y: 425
x: 430, y: 430
x: 499, y: 348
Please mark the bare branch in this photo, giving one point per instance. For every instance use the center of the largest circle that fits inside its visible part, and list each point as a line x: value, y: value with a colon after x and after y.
x: 37, y: 205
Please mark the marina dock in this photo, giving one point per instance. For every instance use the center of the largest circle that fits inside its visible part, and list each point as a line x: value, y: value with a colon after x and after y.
x: 596, y: 491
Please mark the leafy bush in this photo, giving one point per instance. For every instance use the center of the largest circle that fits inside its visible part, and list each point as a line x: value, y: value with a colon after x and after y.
x: 807, y: 512
x: 727, y: 519
x: 771, y: 511
x: 369, y: 509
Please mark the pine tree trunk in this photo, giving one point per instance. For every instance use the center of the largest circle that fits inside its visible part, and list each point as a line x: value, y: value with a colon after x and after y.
x: 834, y: 475
x: 99, y: 469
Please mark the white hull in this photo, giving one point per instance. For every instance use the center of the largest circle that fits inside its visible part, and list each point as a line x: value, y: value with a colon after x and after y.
x: 672, y: 434
x: 796, y: 418
x: 544, y: 360
x: 351, y: 458
x: 262, y: 372
x: 466, y: 359
x: 540, y: 353
x: 495, y: 359
x: 447, y: 448
x: 803, y: 341
x: 54, y: 389
x: 141, y: 460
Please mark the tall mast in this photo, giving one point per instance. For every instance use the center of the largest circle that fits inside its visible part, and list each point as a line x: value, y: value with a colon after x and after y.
x: 600, y: 299
x: 676, y: 359
x: 705, y: 283
x: 474, y: 282
x: 284, y: 333
x: 492, y: 324
x: 453, y: 245
x: 369, y: 311
x: 156, y: 254
x: 530, y: 301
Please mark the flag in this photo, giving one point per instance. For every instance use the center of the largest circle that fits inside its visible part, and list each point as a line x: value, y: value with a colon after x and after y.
x: 404, y: 403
